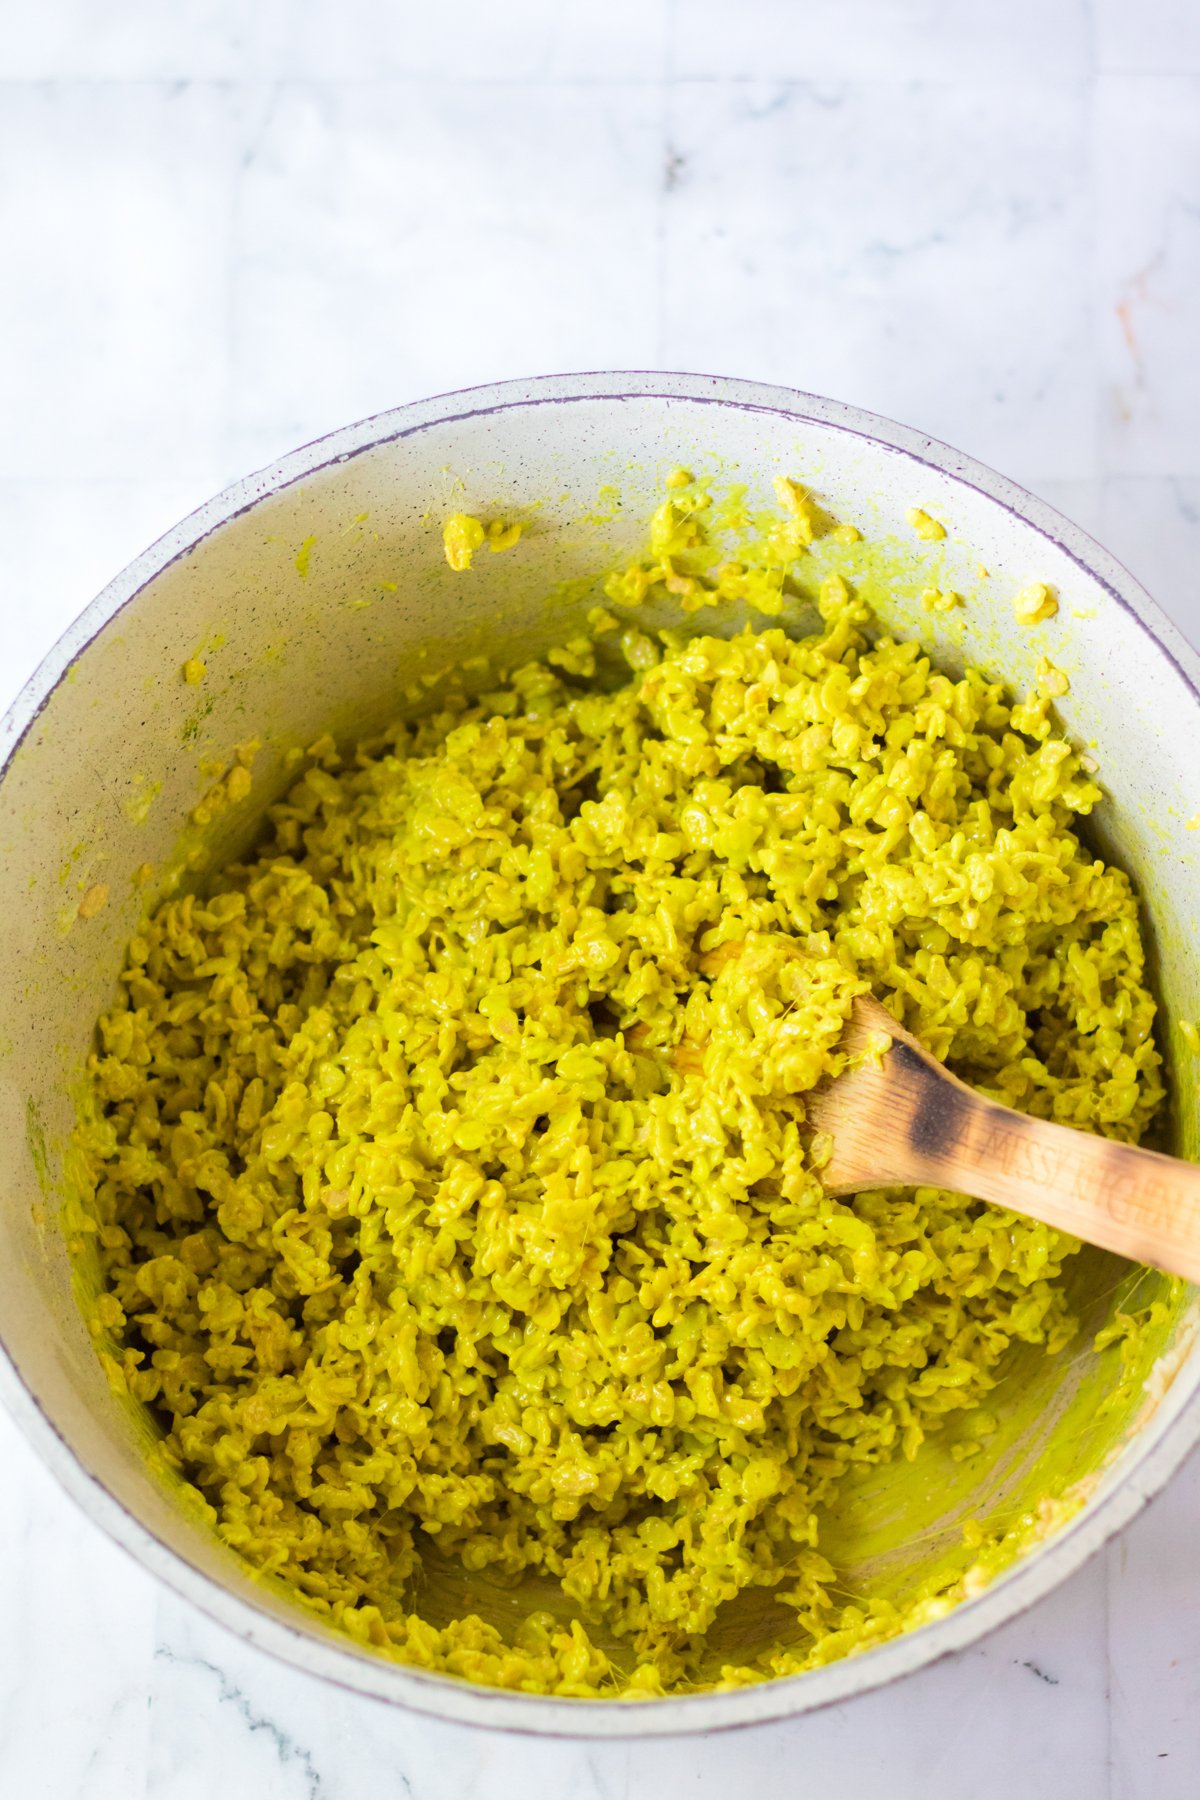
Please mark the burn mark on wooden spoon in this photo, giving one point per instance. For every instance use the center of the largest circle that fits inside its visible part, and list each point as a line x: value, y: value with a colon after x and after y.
x: 939, y: 1121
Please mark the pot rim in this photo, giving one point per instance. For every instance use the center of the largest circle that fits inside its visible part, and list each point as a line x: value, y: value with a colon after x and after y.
x: 1165, y: 1440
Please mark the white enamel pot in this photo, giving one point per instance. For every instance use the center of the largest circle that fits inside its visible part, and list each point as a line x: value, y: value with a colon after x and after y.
x: 316, y: 591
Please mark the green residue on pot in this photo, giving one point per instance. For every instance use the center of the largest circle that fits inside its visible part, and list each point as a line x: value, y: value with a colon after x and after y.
x: 189, y: 731
x: 145, y: 792
x: 608, y: 505
x: 35, y: 1143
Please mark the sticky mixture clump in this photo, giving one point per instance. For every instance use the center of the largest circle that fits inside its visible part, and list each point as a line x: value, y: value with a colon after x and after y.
x: 452, y: 1182
x: 1034, y: 604
x: 462, y: 535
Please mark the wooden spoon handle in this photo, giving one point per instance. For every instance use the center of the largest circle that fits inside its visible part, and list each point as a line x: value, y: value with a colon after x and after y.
x: 911, y: 1122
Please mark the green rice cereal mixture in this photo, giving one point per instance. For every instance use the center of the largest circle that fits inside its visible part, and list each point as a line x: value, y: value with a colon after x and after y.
x: 452, y: 1184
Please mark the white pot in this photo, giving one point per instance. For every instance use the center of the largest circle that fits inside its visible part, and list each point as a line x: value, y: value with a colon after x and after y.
x: 107, y: 717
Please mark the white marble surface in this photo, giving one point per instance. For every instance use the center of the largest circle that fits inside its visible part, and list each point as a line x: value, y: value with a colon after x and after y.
x: 228, y: 227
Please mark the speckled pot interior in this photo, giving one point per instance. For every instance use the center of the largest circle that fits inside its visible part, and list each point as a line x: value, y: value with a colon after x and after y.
x: 317, y: 593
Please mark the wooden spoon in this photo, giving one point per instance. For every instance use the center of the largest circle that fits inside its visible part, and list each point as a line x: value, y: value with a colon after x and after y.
x: 902, y: 1120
